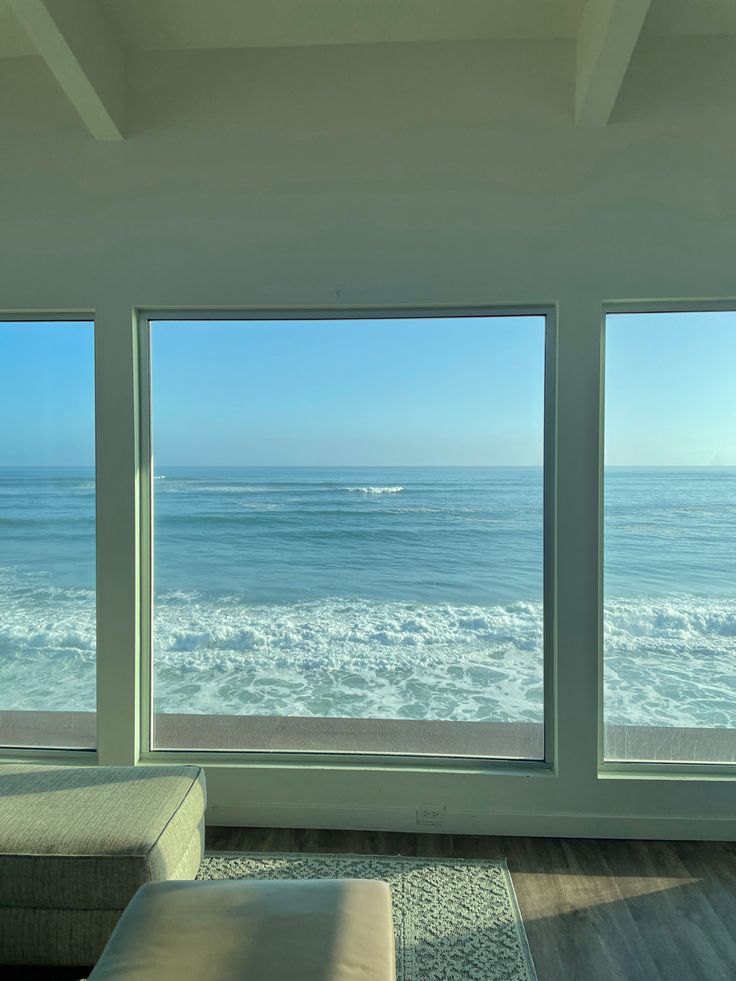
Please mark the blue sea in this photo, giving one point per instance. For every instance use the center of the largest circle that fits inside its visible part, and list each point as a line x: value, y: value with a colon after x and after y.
x: 407, y: 593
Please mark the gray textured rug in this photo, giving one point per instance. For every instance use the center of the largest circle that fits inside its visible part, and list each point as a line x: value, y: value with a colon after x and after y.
x: 455, y: 919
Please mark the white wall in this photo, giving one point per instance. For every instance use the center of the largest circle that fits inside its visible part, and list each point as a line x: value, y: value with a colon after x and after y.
x: 435, y: 174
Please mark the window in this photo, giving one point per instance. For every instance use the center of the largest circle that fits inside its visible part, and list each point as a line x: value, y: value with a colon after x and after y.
x: 670, y: 537
x: 47, y: 535
x: 348, y: 535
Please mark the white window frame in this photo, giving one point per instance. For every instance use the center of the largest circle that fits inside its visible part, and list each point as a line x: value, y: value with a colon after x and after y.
x: 574, y: 793
x: 39, y: 753
x: 148, y: 753
x: 627, y: 768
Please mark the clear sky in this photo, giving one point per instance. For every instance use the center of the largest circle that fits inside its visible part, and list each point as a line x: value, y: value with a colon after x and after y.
x: 436, y: 392
x: 466, y: 391
x: 47, y: 394
x: 671, y: 389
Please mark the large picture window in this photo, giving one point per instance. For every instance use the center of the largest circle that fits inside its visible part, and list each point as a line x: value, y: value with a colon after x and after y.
x: 670, y: 538
x: 348, y: 547
x: 47, y: 535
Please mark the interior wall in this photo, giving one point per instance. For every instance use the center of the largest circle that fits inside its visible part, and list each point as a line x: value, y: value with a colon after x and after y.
x: 392, y: 173
x: 388, y: 175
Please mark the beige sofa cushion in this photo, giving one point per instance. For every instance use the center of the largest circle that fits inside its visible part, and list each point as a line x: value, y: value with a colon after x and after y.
x: 86, y: 837
x: 303, y: 930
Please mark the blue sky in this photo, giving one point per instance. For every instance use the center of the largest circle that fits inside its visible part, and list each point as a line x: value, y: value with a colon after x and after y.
x: 380, y: 392
x: 348, y: 393
x: 671, y: 389
x: 46, y: 394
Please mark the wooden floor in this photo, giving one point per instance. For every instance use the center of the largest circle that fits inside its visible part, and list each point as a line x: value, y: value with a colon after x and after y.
x: 593, y: 910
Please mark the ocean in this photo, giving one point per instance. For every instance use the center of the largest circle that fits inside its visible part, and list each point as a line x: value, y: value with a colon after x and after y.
x: 404, y: 593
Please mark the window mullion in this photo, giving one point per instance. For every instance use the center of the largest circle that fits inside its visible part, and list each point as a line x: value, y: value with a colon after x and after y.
x: 118, y: 635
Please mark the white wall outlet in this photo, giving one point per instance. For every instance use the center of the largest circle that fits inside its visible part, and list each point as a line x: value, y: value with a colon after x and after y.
x: 431, y: 813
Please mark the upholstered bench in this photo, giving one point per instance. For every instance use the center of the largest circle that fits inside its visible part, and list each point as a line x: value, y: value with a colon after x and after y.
x: 243, y: 930
x: 77, y: 842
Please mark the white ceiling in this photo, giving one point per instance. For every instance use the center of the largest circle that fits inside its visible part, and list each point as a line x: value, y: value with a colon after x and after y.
x: 14, y: 41
x: 192, y: 24
x: 149, y: 24
x: 691, y: 18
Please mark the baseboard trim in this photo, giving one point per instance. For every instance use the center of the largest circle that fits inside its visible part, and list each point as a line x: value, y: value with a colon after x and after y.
x: 235, y: 814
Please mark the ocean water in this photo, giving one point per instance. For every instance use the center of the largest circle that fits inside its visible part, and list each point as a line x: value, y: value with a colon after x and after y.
x: 367, y: 592
x: 670, y: 596
x: 383, y: 593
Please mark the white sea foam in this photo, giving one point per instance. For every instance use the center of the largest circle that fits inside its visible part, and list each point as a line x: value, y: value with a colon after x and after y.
x: 352, y: 657
x: 667, y: 662
x: 47, y: 645
x: 671, y: 662
x: 374, y: 490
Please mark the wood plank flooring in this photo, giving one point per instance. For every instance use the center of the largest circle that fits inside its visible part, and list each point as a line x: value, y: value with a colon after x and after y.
x: 593, y: 910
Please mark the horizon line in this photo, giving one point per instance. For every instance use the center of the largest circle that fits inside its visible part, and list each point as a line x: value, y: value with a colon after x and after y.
x: 372, y: 466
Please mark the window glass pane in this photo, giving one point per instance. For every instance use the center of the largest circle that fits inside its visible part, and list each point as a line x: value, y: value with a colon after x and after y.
x: 670, y: 537
x: 47, y: 535
x: 349, y: 535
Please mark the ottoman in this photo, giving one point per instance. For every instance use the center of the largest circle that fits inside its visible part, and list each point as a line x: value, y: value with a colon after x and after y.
x: 272, y: 930
x: 76, y: 843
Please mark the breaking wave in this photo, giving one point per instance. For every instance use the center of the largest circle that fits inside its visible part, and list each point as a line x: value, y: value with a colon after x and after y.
x: 374, y: 490
x: 667, y: 662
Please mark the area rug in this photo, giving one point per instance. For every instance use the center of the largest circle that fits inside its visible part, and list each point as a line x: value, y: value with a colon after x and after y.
x: 455, y: 919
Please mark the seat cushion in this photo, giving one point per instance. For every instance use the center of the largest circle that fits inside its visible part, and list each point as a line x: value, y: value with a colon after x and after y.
x: 87, y: 837
x: 313, y: 930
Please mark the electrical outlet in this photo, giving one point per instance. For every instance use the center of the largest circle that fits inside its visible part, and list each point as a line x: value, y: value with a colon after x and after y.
x: 431, y: 814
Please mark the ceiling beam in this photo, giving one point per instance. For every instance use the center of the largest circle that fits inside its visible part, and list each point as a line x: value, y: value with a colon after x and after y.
x: 80, y: 47
x: 608, y: 33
